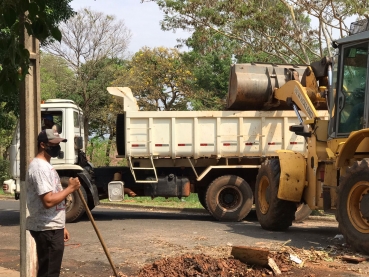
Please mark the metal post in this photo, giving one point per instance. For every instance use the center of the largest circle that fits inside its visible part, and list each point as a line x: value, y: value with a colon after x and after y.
x: 30, y: 124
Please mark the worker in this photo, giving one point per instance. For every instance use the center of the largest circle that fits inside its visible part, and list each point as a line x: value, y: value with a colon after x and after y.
x: 46, y: 204
x: 49, y: 123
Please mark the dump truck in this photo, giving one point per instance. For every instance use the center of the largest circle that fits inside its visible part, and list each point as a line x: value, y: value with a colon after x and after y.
x: 216, y: 154
x: 333, y: 173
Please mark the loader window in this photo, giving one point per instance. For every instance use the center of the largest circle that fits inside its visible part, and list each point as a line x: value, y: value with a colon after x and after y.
x: 352, y: 93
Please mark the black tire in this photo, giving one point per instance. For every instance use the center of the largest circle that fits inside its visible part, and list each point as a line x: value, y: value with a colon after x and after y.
x: 120, y: 134
x: 74, y: 207
x: 353, y: 206
x: 273, y: 213
x: 303, y: 212
x: 229, y: 198
x: 91, y: 203
x: 201, y: 196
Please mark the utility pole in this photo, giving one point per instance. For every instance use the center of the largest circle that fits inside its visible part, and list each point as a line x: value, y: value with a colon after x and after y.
x: 30, y: 125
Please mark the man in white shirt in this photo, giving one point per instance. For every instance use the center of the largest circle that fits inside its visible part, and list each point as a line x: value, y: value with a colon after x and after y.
x: 46, y: 204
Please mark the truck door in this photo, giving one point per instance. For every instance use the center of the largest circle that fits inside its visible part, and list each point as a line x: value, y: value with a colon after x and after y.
x: 351, y: 103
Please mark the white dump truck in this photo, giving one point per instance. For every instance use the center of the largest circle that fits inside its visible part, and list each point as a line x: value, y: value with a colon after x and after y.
x: 215, y: 154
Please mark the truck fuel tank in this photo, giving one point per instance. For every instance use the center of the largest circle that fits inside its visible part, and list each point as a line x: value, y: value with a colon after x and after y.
x: 169, y: 186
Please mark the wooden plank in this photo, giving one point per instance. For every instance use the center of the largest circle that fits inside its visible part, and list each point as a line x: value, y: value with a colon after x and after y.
x: 251, y: 255
x: 274, y: 266
x: 353, y: 259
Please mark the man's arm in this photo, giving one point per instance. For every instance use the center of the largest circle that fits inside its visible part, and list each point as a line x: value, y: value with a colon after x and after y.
x: 51, y: 199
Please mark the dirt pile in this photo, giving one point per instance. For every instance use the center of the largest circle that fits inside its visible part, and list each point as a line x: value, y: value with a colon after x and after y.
x: 199, y: 265
x: 310, y: 263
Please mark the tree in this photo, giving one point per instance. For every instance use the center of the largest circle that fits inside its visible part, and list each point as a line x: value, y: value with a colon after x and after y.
x: 280, y: 29
x: 89, y: 40
x: 57, y: 79
x: 40, y: 19
x: 158, y: 78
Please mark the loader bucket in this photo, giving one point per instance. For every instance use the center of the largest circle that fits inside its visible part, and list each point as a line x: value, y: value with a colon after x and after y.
x: 251, y: 85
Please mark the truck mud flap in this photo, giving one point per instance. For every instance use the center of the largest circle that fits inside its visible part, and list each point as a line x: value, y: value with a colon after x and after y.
x: 86, y: 179
x: 120, y: 134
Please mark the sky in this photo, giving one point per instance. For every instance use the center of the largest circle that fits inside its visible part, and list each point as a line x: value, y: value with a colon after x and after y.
x: 143, y: 19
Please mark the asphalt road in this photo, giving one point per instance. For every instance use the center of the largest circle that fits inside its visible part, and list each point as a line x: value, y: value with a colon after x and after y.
x: 138, y: 237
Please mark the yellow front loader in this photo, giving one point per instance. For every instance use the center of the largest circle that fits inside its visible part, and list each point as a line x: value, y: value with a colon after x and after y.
x: 333, y: 174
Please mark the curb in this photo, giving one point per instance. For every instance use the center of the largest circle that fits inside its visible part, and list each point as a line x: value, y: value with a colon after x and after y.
x: 179, y: 210
x: 194, y: 210
x: 155, y: 208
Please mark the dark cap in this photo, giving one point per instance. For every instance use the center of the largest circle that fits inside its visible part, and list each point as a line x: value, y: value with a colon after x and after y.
x: 48, y: 117
x: 49, y: 135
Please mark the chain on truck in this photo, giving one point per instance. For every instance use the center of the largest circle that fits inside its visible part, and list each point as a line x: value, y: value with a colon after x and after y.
x: 293, y: 136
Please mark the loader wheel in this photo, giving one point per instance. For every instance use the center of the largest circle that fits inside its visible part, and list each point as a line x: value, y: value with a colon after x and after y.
x: 74, y: 208
x: 273, y: 213
x: 201, y: 194
x: 353, y: 206
x: 229, y: 198
x: 303, y: 211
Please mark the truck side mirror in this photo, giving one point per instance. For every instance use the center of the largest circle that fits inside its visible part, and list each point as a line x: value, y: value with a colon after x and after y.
x: 78, y: 143
x: 61, y: 155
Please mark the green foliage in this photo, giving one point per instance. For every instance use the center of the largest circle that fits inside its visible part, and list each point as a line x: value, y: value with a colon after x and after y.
x: 159, y: 78
x: 57, y: 79
x: 210, y: 60
x: 97, y: 153
x: 40, y: 19
x: 92, y: 46
x: 4, y: 170
x: 190, y: 202
x: 281, y: 29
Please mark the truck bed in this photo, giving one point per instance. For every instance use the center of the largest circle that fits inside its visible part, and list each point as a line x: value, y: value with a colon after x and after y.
x: 209, y: 134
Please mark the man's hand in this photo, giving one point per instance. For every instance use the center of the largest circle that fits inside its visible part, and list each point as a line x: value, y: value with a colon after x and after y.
x: 66, y: 234
x: 74, y: 183
x: 51, y: 199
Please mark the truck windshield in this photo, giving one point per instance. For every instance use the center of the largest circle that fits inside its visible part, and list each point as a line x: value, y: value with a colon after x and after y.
x: 352, y: 97
x: 52, y: 120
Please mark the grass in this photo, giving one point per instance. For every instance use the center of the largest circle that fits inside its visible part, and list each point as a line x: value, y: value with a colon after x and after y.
x: 190, y: 202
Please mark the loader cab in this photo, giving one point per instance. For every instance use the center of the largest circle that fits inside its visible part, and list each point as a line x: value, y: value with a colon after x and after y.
x: 350, y: 86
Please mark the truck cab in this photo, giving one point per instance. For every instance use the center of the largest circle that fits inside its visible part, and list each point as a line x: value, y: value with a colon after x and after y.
x: 63, y: 112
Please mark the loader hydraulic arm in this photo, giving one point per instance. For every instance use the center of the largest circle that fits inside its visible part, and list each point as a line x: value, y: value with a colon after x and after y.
x: 299, y: 95
x: 310, y: 94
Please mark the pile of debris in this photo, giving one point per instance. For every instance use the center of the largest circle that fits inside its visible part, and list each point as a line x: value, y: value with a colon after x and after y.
x: 256, y: 262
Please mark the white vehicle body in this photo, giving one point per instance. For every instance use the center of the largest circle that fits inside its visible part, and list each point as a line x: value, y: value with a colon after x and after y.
x: 64, y: 111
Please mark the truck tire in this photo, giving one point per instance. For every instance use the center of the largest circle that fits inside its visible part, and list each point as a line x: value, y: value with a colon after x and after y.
x: 74, y: 207
x: 353, y: 206
x: 120, y: 135
x: 229, y: 198
x: 273, y: 213
x: 303, y: 212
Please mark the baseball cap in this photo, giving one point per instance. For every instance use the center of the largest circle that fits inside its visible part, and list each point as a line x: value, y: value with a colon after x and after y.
x: 50, y: 135
x: 48, y: 117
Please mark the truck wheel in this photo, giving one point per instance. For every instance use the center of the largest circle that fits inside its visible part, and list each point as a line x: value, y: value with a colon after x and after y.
x: 229, y: 198
x: 303, y: 212
x: 202, y: 195
x: 273, y: 213
x: 74, y: 207
x: 353, y: 206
